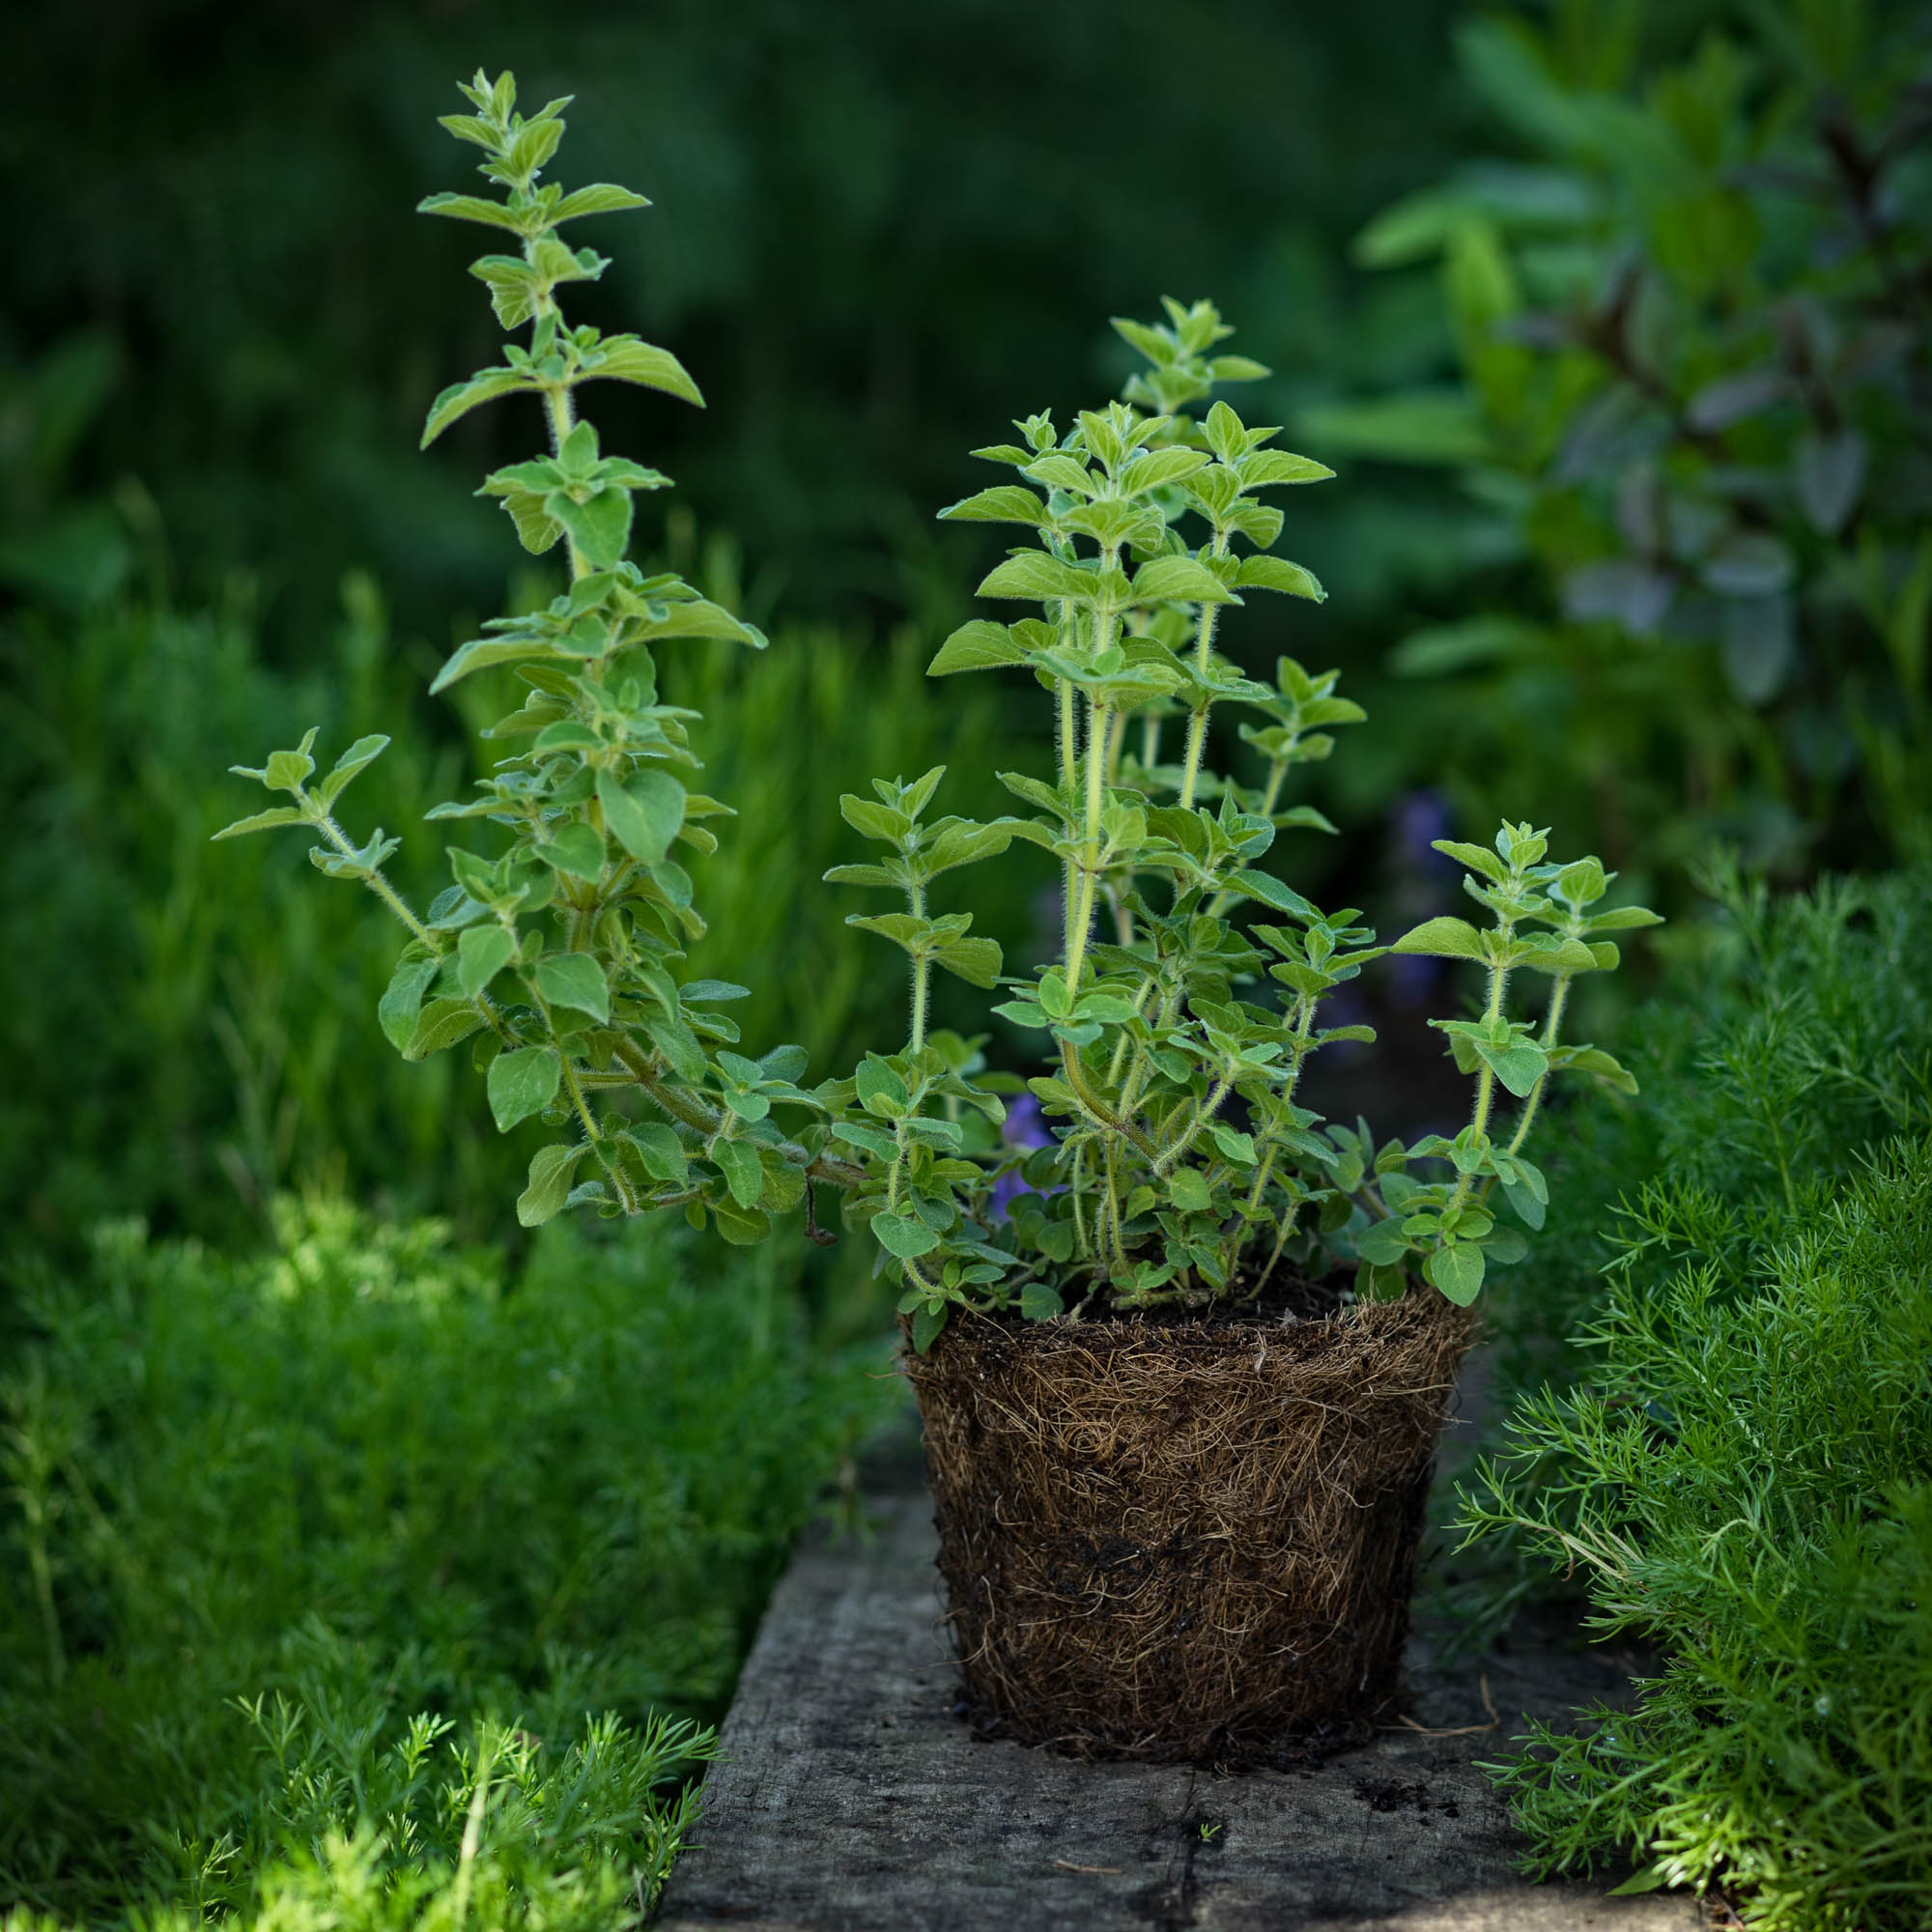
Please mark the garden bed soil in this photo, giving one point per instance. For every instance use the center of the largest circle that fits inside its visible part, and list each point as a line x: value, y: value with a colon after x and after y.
x: 1180, y: 1538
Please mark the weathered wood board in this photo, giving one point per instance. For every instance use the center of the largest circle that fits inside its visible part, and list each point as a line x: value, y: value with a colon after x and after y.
x: 853, y: 1801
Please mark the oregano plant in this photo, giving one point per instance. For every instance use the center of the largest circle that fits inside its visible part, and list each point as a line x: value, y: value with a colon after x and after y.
x: 1160, y: 1154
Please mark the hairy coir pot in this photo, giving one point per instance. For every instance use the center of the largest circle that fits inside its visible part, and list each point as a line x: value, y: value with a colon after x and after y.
x: 1185, y: 1541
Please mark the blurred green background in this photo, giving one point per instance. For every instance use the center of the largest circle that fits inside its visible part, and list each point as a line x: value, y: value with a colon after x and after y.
x: 1611, y: 317
x: 1503, y: 266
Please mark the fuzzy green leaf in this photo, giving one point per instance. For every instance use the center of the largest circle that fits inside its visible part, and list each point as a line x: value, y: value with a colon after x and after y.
x: 549, y: 1188
x: 600, y: 527
x: 1457, y: 1269
x: 1593, y: 1060
x: 598, y: 198
x: 1034, y: 575
x: 574, y: 848
x: 1276, y: 573
x: 1442, y: 938
x: 573, y: 979
x: 402, y: 1000
x: 365, y: 752
x: 481, y: 953
x: 1187, y: 1188
x: 738, y: 1162
x: 1003, y: 504
x: 441, y: 1024
x: 277, y: 814
x: 981, y: 646
x: 460, y: 397
x: 904, y: 1236
x: 627, y: 360
x: 1174, y: 580
x: 1263, y: 469
x: 481, y: 653
x: 977, y: 961
x: 475, y: 207
x: 661, y: 1152
x: 520, y: 1083
x: 1519, y: 1067
x: 643, y: 812
x: 1270, y: 891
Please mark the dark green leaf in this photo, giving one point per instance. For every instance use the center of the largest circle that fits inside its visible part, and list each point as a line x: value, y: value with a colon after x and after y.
x: 1040, y: 1301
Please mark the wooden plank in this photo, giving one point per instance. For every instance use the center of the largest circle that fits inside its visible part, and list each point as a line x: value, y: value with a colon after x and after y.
x: 854, y: 1801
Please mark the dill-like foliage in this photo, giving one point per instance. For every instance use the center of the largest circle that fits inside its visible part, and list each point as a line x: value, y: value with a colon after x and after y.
x: 1741, y: 1465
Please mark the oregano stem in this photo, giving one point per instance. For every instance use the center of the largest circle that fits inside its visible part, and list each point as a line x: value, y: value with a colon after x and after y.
x: 1197, y: 723
x: 922, y: 969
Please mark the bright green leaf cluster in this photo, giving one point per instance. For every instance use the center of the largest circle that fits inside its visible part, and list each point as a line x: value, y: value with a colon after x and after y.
x: 1175, y: 1161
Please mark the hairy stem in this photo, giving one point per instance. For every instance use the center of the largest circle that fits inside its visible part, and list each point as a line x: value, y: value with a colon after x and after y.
x: 688, y: 1110
x: 1069, y: 765
x: 1089, y: 852
x: 1197, y: 723
x: 921, y: 972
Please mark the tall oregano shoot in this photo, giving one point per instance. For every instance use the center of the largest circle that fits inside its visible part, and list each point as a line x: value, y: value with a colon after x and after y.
x: 1177, y: 1165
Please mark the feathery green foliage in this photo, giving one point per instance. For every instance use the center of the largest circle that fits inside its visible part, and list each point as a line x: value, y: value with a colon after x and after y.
x: 556, y: 956
x: 367, y: 1477
x: 1742, y: 1468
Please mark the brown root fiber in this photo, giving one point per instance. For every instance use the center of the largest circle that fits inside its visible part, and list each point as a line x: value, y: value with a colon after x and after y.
x: 1184, y: 1542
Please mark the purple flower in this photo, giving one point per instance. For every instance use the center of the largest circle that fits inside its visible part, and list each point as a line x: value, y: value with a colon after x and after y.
x: 1417, y: 821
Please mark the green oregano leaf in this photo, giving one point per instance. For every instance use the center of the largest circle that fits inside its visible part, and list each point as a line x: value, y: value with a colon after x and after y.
x: 576, y: 981
x: 520, y: 1083
x: 902, y: 1236
x: 549, y: 1178
x: 481, y: 953
x: 738, y: 1162
x: 402, y: 1000
x: 1457, y: 1269
x: 643, y: 812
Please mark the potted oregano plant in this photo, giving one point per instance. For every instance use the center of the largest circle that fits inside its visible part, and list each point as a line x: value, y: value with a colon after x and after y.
x: 1181, y: 1347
